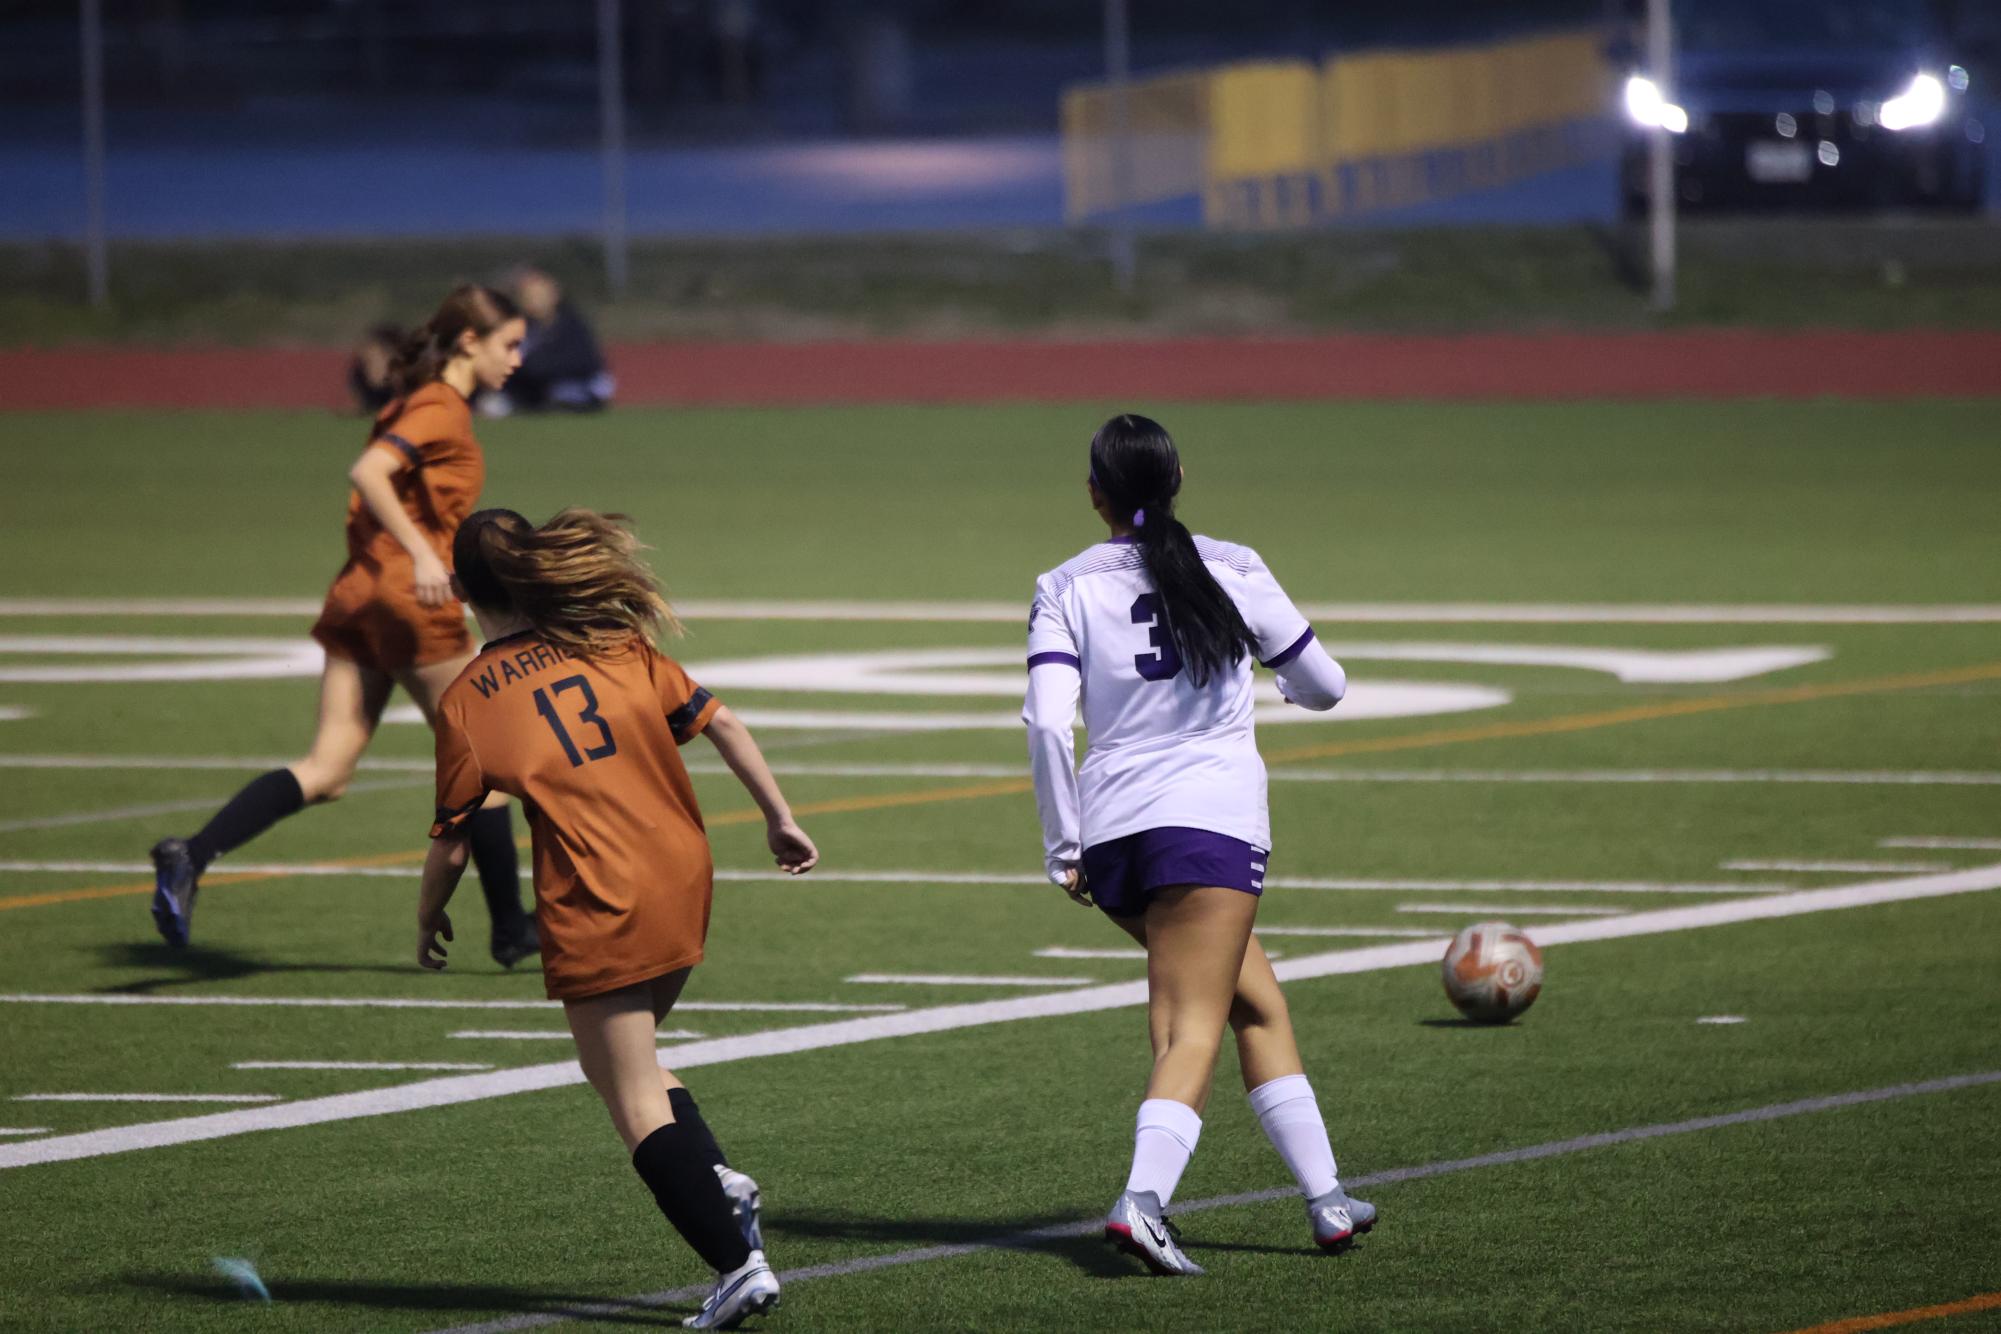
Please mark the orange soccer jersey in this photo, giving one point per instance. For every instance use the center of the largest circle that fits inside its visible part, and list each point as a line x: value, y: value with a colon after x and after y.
x: 622, y: 868
x: 372, y: 615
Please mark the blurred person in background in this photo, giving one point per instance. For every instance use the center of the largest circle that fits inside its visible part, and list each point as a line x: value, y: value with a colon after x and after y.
x: 368, y: 378
x: 390, y: 618
x: 562, y: 369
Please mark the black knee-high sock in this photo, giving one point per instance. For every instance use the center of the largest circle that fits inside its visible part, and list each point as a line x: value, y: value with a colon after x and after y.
x: 675, y: 1166
x: 492, y: 835
x: 263, y: 802
x: 686, y: 1113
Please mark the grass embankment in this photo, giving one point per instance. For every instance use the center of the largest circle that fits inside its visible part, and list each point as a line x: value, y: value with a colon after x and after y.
x: 1782, y: 273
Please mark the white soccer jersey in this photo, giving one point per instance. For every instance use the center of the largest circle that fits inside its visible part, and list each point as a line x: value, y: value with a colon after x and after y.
x: 1161, y: 751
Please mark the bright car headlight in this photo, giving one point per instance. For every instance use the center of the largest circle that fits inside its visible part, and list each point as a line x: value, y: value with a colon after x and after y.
x: 1920, y: 104
x: 1647, y: 107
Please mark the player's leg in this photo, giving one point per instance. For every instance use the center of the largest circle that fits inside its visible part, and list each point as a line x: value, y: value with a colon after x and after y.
x: 351, y: 701
x: 491, y: 830
x: 615, y: 1046
x: 1195, y: 938
x: 744, y: 1196
x: 1276, y: 1086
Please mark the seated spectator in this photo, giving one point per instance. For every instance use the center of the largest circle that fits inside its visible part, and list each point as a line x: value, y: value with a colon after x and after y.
x: 561, y: 367
x: 368, y: 372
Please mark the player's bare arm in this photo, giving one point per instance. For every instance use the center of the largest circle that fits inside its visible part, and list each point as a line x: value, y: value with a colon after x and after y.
x: 788, y: 842
x: 372, y: 475
x: 443, y: 865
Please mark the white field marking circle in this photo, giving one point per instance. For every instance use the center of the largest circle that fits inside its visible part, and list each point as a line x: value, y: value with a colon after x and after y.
x: 1366, y: 700
x: 952, y: 671
x: 1722, y: 1019
x: 452, y: 1090
x: 208, y: 659
x: 928, y: 674
x: 1014, y: 612
x: 622, y: 1309
x: 412, y: 1003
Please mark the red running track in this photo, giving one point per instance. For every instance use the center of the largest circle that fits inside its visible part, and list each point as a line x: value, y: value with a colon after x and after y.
x: 1715, y: 364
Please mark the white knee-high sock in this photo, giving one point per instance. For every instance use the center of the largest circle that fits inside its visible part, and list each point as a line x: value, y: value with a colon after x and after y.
x: 1162, y: 1145
x: 1290, y: 1114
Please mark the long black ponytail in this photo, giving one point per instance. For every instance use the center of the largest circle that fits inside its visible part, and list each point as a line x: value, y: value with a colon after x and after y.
x: 1138, y: 472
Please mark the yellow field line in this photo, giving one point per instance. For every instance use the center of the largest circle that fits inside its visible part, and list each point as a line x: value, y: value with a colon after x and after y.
x: 219, y: 878
x: 836, y: 806
x: 1986, y: 1301
x: 1639, y: 713
x: 1575, y: 722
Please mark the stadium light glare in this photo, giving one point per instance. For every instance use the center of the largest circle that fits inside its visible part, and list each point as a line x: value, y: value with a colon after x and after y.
x: 1647, y: 107
x: 1919, y: 105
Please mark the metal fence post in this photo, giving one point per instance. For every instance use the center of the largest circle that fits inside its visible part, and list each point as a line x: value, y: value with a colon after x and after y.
x: 1660, y: 156
x: 611, y: 118
x: 96, y: 259
x: 1118, y: 77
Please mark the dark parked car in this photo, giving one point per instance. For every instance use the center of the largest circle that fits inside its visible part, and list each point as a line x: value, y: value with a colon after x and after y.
x: 1815, y: 102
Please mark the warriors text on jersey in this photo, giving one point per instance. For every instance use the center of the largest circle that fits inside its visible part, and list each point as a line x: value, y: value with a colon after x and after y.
x: 591, y: 747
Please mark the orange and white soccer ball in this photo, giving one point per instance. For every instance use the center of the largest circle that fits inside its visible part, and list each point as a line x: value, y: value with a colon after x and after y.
x: 1492, y: 972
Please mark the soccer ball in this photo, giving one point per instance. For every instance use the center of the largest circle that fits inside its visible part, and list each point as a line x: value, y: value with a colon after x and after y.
x: 1492, y: 972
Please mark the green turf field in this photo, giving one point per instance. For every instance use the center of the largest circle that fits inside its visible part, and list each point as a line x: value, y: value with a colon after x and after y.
x: 1640, y: 659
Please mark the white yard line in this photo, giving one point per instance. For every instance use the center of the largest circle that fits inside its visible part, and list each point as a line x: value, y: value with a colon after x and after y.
x: 1724, y: 1019
x: 554, y: 1034
x: 24, y: 1130
x: 1010, y: 612
x: 966, y: 980
x: 1072, y: 952
x: 456, y: 1089
x: 1279, y: 773
x: 1388, y: 932
x: 624, y: 1309
x: 405, y: 1003
x: 1507, y: 909
x: 141, y: 763
x: 935, y: 878
x: 1522, y: 886
x: 1834, y: 866
x: 1969, y: 844
x: 360, y: 1065
x: 147, y: 1097
x: 1285, y: 773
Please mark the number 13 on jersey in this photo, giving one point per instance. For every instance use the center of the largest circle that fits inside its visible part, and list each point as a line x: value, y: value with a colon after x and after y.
x: 546, y: 706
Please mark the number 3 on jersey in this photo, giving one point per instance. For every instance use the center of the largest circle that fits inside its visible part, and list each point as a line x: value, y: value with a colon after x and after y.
x: 547, y: 708
x: 1164, y: 663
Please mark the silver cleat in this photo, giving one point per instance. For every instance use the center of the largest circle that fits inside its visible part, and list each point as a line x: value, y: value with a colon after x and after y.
x: 744, y: 1201
x: 1338, y: 1220
x: 749, y: 1290
x: 1136, y: 1226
